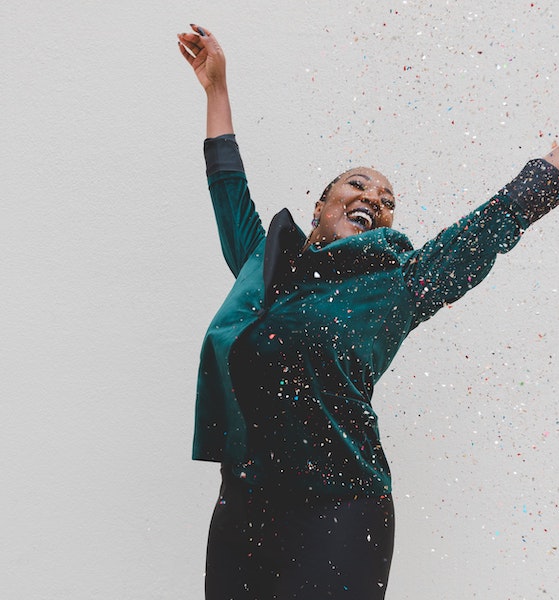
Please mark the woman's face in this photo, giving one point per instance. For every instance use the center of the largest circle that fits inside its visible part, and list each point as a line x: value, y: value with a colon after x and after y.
x: 359, y: 200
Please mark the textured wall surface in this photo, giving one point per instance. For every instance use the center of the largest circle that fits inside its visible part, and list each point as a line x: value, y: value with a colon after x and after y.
x: 110, y: 273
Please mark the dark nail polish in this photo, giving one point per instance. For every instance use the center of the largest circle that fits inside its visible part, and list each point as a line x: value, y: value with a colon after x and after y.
x: 201, y: 31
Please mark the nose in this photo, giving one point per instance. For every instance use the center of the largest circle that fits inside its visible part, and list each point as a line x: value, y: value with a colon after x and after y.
x: 372, y: 200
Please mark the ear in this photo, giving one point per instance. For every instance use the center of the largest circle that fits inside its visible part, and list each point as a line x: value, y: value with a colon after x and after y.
x: 318, y: 208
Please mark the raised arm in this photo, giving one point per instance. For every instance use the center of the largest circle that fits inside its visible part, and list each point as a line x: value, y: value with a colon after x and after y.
x: 240, y: 229
x: 206, y: 57
x: 460, y: 257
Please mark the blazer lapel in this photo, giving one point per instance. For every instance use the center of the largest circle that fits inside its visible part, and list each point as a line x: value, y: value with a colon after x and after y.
x: 283, y: 243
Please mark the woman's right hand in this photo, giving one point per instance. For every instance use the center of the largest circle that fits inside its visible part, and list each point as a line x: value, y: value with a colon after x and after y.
x: 205, y: 56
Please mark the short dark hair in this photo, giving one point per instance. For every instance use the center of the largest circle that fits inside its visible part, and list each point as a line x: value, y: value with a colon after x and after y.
x: 329, y: 187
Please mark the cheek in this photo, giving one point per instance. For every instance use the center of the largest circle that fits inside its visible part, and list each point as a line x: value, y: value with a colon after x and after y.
x: 387, y: 218
x: 331, y: 215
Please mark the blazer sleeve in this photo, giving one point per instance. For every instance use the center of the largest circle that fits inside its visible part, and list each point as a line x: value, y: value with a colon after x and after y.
x: 461, y: 256
x: 239, y: 226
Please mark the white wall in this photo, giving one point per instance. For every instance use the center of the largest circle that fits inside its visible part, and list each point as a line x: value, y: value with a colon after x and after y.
x: 111, y: 273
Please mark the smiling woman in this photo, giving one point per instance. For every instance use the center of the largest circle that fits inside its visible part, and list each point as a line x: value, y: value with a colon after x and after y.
x: 356, y: 201
x: 290, y: 361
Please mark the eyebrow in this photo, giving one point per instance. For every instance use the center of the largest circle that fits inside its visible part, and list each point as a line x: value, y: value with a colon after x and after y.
x: 382, y: 189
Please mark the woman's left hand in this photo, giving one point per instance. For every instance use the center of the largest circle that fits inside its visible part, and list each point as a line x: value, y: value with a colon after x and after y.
x: 553, y: 156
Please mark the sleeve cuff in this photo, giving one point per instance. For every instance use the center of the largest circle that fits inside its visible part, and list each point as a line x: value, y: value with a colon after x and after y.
x: 222, y: 154
x: 535, y: 190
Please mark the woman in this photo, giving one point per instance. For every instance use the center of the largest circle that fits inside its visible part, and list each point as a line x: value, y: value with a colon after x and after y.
x: 289, y: 363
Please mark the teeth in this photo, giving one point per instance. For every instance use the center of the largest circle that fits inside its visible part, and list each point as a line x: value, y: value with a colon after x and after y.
x: 362, y: 214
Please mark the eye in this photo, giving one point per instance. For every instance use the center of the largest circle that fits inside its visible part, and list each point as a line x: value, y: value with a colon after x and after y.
x: 357, y: 184
x: 389, y: 203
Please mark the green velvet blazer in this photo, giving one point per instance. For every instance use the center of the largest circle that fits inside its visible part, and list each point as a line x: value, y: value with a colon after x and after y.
x: 317, y: 329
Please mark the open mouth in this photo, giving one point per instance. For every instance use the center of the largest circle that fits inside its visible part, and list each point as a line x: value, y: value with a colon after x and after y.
x: 361, y: 218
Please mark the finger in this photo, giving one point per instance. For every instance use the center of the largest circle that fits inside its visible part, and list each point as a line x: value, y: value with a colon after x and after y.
x: 192, y: 47
x: 186, y: 53
x: 190, y: 40
x: 207, y: 40
x: 191, y: 37
x: 203, y: 32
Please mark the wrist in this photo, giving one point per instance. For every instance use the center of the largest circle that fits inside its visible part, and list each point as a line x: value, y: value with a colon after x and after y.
x: 217, y: 90
x: 219, y: 119
x: 553, y: 157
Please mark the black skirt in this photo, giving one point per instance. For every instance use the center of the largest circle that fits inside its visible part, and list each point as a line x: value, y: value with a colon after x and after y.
x: 272, y: 546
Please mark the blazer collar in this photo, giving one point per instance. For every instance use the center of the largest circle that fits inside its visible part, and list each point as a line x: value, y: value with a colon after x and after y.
x: 284, y: 261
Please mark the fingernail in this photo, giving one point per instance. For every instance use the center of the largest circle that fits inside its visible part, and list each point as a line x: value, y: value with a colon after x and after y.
x: 198, y: 29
